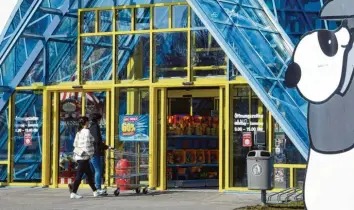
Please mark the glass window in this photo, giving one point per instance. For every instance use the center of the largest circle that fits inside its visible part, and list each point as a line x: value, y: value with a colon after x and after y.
x: 96, y: 58
x: 171, y: 54
x: 70, y: 107
x: 62, y: 68
x: 28, y: 136
x: 142, y: 17
x: 35, y: 73
x: 133, y: 57
x: 88, y: 22
x: 124, y: 20
x: 3, y: 173
x: 196, y: 22
x: 207, y: 57
x: 161, y: 17
x: 106, y: 18
x: 4, y: 119
x: 248, y: 116
x: 134, y: 110
x: 180, y: 16
x: 283, y: 149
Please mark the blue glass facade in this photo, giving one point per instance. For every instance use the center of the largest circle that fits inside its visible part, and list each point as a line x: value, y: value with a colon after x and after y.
x: 39, y: 46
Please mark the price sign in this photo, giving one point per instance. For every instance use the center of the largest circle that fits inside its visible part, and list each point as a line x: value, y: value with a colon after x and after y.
x: 247, y: 139
x: 134, y: 128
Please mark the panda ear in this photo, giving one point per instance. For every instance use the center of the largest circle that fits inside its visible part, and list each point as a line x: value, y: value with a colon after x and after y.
x: 343, y: 36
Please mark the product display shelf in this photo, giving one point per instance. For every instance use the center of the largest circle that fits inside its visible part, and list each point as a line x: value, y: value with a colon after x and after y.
x: 192, y: 161
x: 193, y: 165
x: 192, y: 137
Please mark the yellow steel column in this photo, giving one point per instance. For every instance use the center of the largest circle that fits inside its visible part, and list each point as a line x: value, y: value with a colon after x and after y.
x: 78, y: 54
x: 270, y: 131
x: 97, y: 20
x: 46, y: 138
x: 10, y: 143
x: 113, y: 116
x: 83, y: 104
x: 231, y: 136
x: 108, y: 135
x: 170, y: 16
x: 55, y: 130
x: 227, y: 136
x: 291, y: 177
x: 189, y: 67
x: 221, y: 138
x: 114, y: 49
x: 151, y: 59
x: 152, y: 138
x: 163, y: 147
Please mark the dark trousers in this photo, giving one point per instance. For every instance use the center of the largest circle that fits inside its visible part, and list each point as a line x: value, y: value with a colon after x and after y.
x: 84, y: 168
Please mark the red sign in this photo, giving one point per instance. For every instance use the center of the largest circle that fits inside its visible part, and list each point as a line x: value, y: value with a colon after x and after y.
x: 27, y: 139
x: 247, y: 139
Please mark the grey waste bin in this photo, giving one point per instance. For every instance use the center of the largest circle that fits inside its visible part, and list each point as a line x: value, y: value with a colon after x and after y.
x: 259, y: 170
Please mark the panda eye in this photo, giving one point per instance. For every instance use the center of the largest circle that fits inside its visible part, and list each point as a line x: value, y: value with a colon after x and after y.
x: 328, y: 42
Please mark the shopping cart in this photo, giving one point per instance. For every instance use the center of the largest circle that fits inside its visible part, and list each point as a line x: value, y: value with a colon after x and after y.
x: 129, y: 169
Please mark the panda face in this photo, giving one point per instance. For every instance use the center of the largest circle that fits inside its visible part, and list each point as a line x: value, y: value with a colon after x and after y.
x: 317, y: 66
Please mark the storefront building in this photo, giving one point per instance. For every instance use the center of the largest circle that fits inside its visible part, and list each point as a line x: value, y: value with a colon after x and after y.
x: 151, y: 64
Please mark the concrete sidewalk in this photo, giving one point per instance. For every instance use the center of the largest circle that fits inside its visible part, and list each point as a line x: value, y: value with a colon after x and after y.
x: 39, y: 198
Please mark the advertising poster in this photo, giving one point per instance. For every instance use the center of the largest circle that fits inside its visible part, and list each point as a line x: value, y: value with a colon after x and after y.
x: 134, y: 128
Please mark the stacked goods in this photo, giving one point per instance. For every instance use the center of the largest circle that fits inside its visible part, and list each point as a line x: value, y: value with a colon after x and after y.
x: 193, y: 125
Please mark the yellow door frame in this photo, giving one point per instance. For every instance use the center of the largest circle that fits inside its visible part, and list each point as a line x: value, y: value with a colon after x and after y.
x: 54, y: 164
x: 219, y: 92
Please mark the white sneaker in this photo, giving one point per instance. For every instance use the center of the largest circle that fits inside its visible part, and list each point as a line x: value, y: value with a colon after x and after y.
x: 75, y: 196
x: 102, y: 192
x: 96, y: 193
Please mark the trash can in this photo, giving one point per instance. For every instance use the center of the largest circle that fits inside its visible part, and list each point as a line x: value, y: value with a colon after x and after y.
x: 259, y: 170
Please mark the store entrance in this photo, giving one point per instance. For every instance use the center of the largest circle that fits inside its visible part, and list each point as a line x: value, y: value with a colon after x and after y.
x: 68, y: 107
x: 192, y: 138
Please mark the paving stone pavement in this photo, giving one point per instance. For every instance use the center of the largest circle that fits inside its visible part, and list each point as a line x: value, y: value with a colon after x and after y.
x: 12, y: 198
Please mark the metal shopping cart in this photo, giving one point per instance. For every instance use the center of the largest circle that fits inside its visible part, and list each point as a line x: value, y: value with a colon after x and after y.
x: 130, y: 168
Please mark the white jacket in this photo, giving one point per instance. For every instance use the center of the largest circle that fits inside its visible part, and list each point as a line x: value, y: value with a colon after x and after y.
x: 83, y: 145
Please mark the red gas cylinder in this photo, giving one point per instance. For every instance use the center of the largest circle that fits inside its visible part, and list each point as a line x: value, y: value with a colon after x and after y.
x: 122, y: 173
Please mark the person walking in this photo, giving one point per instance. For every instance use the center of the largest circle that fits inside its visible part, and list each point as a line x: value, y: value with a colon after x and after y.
x: 83, y: 152
x: 97, y: 160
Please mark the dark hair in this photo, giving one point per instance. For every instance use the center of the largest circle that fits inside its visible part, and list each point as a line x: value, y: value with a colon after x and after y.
x: 82, y: 122
x: 95, y: 117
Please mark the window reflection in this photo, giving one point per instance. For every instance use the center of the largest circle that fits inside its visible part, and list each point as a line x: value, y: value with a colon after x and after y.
x: 171, y: 54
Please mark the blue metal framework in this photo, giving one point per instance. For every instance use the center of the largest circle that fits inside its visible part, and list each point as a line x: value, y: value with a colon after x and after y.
x: 39, y: 44
x: 260, y: 49
x: 298, y: 17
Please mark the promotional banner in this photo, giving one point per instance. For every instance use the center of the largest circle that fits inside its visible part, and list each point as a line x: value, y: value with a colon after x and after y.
x: 134, y: 128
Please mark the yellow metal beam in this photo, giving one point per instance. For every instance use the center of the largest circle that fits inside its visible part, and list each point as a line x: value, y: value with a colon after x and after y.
x: 108, y: 136
x: 163, y: 144
x: 133, y: 6
x: 231, y: 136
x: 114, y: 121
x: 46, y: 138
x: 152, y: 138
x: 228, y: 173
x: 289, y: 166
x: 151, y: 49
x: 10, y: 143
x: 221, y: 139
x: 270, y: 132
x: 55, y: 134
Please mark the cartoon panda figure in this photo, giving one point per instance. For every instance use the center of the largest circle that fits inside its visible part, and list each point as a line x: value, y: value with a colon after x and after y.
x: 322, y: 71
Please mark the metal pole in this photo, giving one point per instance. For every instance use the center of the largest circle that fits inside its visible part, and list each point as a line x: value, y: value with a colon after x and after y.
x: 263, y: 197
